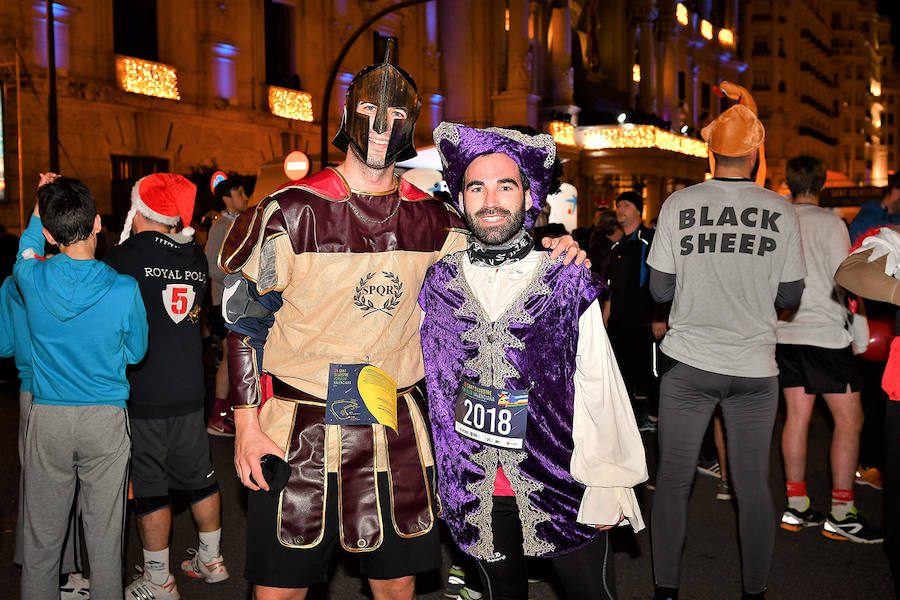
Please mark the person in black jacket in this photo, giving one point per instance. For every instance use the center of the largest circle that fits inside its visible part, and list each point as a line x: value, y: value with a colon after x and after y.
x: 629, y: 311
x: 170, y: 449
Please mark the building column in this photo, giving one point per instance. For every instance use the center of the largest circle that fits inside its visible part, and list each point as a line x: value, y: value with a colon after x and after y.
x: 562, y: 72
x: 645, y: 16
x: 517, y: 104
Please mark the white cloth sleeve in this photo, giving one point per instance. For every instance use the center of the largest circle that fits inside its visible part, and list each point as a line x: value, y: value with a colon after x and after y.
x: 609, y: 456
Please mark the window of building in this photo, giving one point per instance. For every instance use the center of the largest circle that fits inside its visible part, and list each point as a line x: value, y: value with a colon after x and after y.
x: 848, y: 124
x: 379, y: 47
x: 134, y: 28
x: 681, y: 85
x: 280, y: 50
x: 60, y: 34
x: 705, y: 94
x: 760, y: 81
x: 224, y: 71
x: 126, y: 170
x: 889, y: 117
x: 782, y: 87
x: 890, y: 139
x: 890, y: 158
x: 836, y: 20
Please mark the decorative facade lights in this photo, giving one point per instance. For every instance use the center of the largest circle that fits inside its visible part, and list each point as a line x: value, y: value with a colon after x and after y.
x: 706, y: 29
x: 146, y: 77
x: 726, y: 37
x: 563, y: 133
x: 875, y: 87
x: 506, y: 20
x: 290, y: 104
x: 641, y: 136
x: 681, y: 14
x: 636, y: 73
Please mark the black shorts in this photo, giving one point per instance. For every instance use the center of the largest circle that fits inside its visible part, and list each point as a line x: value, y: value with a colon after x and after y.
x: 817, y: 370
x: 170, y: 454
x: 273, y: 565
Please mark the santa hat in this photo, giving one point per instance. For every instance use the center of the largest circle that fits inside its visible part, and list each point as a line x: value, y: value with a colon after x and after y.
x: 458, y: 146
x: 164, y: 198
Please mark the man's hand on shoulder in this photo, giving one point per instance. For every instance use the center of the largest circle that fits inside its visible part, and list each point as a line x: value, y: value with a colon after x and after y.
x: 566, y: 244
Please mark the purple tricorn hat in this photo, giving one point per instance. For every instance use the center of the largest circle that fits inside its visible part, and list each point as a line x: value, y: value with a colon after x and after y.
x: 459, y: 145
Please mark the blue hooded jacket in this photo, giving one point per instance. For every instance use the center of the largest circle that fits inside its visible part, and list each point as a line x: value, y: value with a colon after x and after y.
x: 87, y: 324
x: 15, y: 340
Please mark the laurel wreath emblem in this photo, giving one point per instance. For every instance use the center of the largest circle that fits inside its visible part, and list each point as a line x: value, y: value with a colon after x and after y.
x: 367, y: 306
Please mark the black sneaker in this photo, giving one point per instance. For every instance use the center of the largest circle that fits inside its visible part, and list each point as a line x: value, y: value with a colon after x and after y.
x: 794, y: 520
x: 854, y: 527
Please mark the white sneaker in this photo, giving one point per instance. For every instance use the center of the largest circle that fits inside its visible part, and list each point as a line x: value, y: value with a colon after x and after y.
x: 142, y: 588
x: 76, y: 587
x: 212, y: 572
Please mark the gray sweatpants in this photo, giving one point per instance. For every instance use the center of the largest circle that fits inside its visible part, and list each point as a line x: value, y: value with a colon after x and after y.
x: 688, y: 397
x: 71, y: 552
x: 64, y: 446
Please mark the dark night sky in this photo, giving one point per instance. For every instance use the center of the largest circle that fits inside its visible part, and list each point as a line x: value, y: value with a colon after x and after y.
x: 891, y: 9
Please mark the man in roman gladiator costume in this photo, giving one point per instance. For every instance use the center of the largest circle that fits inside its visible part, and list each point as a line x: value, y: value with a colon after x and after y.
x: 321, y: 298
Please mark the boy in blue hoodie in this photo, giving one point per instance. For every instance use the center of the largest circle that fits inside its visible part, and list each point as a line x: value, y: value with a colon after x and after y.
x: 87, y: 324
x: 15, y: 341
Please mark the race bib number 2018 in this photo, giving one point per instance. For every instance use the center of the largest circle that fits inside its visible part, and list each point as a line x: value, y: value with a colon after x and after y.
x: 491, y: 416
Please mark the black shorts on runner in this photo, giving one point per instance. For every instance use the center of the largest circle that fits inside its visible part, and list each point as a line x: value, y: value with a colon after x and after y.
x: 817, y: 370
x: 171, y: 453
x: 273, y: 565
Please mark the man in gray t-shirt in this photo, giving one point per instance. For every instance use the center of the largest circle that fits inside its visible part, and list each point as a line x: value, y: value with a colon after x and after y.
x: 726, y: 253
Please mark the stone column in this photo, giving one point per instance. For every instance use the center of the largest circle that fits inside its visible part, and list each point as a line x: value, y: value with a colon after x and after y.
x: 644, y: 17
x: 517, y: 104
x: 562, y: 72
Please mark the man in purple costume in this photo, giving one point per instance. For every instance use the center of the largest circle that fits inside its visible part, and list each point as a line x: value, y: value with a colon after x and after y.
x: 537, y: 447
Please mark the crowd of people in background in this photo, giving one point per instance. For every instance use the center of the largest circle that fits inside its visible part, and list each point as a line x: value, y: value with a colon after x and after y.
x: 730, y: 299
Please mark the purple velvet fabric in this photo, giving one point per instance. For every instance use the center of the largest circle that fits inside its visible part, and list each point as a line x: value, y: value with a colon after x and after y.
x: 459, y: 145
x: 546, y: 366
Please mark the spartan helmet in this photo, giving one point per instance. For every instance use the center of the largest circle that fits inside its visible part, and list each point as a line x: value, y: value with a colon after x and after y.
x: 385, y: 86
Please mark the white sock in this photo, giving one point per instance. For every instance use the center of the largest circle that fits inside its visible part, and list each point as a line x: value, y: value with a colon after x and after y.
x: 156, y: 565
x: 209, y: 544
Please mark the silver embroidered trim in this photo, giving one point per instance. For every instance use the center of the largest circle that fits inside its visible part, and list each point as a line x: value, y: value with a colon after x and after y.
x: 268, y: 274
x: 529, y: 514
x: 493, y: 338
x: 480, y: 518
x: 446, y: 131
x: 491, y: 365
x: 450, y: 132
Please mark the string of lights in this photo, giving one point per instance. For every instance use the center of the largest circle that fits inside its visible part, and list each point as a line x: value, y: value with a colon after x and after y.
x: 147, y: 77
x: 640, y: 136
x: 290, y: 104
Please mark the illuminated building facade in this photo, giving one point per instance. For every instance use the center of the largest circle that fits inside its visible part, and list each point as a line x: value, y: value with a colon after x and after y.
x: 169, y: 85
x: 820, y: 72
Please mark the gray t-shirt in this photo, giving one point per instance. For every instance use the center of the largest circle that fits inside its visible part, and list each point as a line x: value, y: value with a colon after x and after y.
x: 822, y: 318
x: 729, y: 244
x: 214, y: 240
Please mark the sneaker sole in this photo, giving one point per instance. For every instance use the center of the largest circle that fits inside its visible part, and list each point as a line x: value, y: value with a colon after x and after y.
x: 844, y: 538
x: 211, y: 579
x: 869, y: 484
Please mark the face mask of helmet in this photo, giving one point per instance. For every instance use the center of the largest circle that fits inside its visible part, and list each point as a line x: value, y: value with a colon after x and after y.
x: 386, y: 87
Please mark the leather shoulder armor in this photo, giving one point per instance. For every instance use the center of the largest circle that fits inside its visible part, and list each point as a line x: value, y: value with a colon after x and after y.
x: 247, y: 231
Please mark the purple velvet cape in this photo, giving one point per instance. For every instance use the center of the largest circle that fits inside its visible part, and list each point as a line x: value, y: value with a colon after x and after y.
x: 541, y: 331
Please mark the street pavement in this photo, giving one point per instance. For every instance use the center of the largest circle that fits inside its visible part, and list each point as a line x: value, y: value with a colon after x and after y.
x: 806, y: 565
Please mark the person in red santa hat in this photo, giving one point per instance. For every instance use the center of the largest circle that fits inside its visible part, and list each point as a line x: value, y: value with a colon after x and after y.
x: 170, y: 450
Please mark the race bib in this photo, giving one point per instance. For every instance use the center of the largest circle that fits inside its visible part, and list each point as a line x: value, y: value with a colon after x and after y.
x: 360, y: 394
x: 491, y: 416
